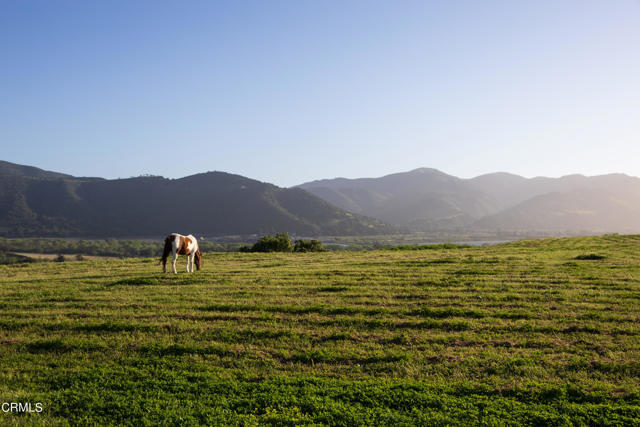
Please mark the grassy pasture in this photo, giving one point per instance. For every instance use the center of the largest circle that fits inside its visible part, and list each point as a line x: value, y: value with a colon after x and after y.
x: 51, y: 257
x: 538, y: 332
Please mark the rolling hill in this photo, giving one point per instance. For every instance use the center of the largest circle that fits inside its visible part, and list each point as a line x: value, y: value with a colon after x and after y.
x: 422, y: 199
x: 428, y: 200
x: 34, y: 202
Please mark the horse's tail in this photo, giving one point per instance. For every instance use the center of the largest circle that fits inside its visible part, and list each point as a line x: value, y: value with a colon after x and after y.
x: 168, y: 243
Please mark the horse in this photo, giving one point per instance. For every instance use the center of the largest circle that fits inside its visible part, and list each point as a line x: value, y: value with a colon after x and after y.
x: 177, y: 244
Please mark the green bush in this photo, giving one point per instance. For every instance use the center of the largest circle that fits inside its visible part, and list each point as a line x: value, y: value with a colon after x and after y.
x: 278, y: 243
x: 308, y: 246
x: 9, y: 258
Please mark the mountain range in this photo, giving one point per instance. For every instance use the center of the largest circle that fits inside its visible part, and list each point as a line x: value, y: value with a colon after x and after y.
x: 34, y: 202
x: 429, y: 200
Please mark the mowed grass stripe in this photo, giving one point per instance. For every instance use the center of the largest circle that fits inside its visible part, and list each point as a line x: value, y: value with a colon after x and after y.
x: 546, y: 328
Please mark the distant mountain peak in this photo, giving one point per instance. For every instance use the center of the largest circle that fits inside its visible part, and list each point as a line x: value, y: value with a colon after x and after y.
x: 500, y: 174
x: 419, y: 171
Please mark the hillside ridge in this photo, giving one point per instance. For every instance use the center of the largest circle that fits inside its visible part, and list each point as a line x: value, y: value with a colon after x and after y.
x: 426, y: 199
x: 41, y: 203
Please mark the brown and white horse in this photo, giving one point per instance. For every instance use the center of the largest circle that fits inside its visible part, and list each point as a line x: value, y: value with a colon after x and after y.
x: 177, y: 244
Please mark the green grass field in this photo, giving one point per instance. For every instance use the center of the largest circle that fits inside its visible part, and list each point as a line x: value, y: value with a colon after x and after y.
x: 538, y: 332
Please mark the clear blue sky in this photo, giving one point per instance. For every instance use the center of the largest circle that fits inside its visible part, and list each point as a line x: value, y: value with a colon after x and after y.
x: 287, y: 92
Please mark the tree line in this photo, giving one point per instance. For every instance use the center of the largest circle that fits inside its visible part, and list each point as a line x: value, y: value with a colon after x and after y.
x: 145, y: 249
x: 106, y: 247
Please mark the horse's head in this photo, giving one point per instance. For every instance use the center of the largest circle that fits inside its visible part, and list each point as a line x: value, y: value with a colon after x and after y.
x: 168, y: 242
x: 198, y: 259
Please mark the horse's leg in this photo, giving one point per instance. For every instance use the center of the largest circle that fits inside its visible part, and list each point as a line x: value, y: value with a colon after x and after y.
x: 188, y: 259
x: 191, y: 258
x: 175, y: 258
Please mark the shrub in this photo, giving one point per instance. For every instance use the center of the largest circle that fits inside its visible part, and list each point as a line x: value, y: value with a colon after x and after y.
x: 9, y: 258
x: 308, y: 246
x: 278, y: 243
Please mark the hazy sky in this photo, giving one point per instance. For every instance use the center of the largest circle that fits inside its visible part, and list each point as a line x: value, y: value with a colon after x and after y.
x: 288, y: 92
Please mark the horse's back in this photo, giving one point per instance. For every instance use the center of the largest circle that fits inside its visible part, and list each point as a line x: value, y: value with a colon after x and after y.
x: 193, y: 239
x: 182, y: 244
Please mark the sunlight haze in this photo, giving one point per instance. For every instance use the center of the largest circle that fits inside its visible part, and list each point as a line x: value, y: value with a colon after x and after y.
x: 289, y: 92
